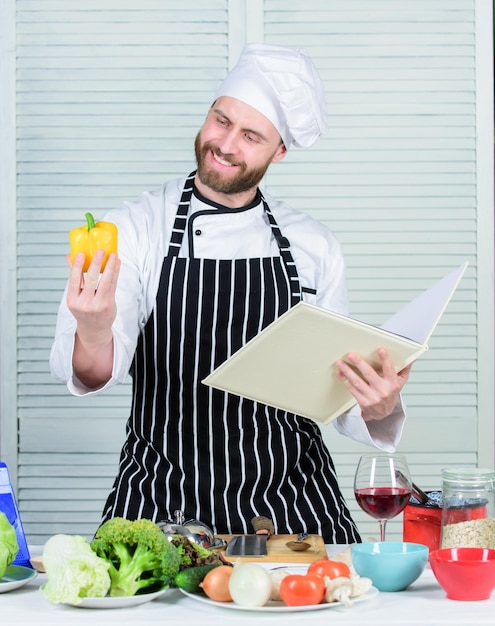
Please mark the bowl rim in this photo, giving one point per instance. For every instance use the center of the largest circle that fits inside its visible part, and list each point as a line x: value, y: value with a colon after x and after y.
x: 445, y: 555
x: 367, y: 547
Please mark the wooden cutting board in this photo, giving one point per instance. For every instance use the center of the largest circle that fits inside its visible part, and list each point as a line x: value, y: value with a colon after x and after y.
x: 278, y: 552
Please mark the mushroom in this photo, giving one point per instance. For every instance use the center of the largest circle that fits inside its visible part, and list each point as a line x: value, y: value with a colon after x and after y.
x: 342, y: 589
x: 339, y: 590
x: 360, y: 585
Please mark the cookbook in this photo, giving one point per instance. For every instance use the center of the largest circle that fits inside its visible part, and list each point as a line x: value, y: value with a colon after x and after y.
x: 290, y: 364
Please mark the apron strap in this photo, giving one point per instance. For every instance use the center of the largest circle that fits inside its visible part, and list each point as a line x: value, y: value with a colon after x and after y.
x: 283, y: 243
x: 180, y: 222
x: 284, y: 247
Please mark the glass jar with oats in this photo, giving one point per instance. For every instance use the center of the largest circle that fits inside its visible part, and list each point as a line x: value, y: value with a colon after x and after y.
x: 468, y: 508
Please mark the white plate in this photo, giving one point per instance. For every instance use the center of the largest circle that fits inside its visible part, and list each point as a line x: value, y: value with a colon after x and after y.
x: 117, y: 603
x: 16, y: 576
x: 280, y: 607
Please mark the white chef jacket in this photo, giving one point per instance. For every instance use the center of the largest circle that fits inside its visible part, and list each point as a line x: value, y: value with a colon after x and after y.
x: 145, y: 226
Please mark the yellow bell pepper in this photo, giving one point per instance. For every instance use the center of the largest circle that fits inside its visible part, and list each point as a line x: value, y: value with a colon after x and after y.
x: 92, y: 237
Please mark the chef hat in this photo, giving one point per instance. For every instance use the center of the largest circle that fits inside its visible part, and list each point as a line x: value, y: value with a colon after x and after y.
x: 281, y: 83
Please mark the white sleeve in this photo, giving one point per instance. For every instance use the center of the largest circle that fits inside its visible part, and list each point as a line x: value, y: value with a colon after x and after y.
x: 383, y: 434
x: 62, y: 350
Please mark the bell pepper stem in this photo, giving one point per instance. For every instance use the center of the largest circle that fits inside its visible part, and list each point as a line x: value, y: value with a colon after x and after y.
x: 91, y: 221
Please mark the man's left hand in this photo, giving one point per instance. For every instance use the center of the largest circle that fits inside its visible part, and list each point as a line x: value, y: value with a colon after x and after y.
x: 376, y: 391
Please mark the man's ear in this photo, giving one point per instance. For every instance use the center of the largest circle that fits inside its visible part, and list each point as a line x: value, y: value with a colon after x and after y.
x: 280, y: 153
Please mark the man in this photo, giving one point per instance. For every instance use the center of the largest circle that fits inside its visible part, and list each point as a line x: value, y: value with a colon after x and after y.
x: 204, y: 264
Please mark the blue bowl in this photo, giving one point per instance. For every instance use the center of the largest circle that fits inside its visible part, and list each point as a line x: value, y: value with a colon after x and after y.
x: 391, y: 565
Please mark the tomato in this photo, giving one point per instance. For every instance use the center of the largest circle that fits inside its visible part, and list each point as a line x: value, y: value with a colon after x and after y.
x: 302, y: 589
x: 332, y: 569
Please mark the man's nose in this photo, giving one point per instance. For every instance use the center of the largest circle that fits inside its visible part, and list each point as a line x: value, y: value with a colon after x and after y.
x: 229, y: 143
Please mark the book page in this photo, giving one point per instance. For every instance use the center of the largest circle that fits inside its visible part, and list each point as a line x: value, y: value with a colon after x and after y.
x: 418, y: 319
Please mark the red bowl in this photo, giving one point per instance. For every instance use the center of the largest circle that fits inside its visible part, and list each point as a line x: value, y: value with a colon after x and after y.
x: 465, y: 573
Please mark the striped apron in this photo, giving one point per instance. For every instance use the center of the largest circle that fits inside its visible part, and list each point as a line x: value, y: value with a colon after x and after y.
x: 217, y: 457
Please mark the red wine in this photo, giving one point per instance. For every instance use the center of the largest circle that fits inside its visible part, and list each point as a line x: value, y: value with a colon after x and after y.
x: 382, y: 502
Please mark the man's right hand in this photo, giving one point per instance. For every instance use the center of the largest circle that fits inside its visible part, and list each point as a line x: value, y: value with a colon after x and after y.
x: 91, y: 299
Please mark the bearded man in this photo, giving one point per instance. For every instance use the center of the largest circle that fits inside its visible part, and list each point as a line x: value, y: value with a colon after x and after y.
x: 205, y: 263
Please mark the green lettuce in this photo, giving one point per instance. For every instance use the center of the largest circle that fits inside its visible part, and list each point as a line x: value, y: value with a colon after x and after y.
x: 8, y: 544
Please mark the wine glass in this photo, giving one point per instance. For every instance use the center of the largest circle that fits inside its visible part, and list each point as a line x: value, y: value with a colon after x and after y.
x: 382, y: 486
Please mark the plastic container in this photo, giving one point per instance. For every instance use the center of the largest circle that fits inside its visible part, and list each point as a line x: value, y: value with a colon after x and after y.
x: 422, y: 523
x: 8, y: 505
x: 468, y: 508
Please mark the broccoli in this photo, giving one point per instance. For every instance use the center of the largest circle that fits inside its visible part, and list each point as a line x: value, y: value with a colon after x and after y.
x: 141, y: 558
x: 8, y: 544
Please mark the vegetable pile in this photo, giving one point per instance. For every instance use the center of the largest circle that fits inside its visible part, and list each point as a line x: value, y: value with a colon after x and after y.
x: 125, y: 558
x: 8, y: 544
x: 251, y: 585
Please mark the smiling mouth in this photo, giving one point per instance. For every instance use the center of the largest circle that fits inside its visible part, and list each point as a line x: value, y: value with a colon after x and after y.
x: 221, y: 160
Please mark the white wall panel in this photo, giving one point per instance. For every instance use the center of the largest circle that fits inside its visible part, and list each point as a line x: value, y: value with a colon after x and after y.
x: 110, y: 96
x: 396, y: 179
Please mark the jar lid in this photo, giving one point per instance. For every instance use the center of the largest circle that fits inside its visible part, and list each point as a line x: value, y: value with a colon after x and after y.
x: 469, y: 476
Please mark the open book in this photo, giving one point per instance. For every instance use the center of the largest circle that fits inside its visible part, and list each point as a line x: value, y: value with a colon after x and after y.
x: 290, y: 364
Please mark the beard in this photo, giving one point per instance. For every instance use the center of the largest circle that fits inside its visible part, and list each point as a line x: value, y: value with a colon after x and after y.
x: 245, y: 180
